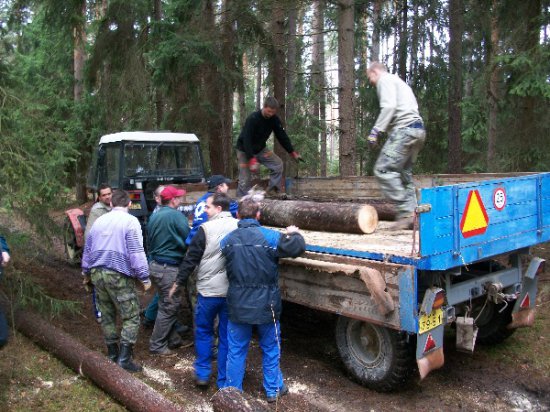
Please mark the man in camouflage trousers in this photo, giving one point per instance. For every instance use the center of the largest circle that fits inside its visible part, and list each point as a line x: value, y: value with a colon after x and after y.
x: 113, y: 259
x: 399, y: 117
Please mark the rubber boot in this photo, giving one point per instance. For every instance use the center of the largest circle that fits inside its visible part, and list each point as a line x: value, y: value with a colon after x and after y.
x: 112, y: 351
x: 125, y: 359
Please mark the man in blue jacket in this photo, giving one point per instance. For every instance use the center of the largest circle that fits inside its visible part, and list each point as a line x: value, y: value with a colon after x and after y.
x: 253, y: 297
x: 216, y: 184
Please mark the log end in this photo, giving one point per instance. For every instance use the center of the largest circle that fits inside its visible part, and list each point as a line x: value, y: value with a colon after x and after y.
x: 367, y: 218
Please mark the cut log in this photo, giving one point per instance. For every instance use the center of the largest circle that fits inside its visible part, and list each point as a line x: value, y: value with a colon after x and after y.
x: 232, y: 400
x: 121, y: 385
x: 330, y: 217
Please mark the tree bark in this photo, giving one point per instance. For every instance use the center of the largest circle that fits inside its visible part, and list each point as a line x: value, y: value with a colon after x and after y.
x: 121, y: 385
x: 159, y: 103
x: 317, y: 83
x: 345, y: 91
x: 375, y: 45
x: 330, y: 217
x: 456, y: 29
x: 403, y: 37
x: 230, y: 399
x: 493, y: 92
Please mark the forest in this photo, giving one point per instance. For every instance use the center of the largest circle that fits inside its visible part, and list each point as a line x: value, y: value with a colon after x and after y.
x: 73, y: 70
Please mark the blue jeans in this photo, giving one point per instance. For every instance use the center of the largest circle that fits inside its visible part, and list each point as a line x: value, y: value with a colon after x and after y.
x: 205, y: 313
x: 152, y: 308
x: 238, y: 336
x: 4, y: 330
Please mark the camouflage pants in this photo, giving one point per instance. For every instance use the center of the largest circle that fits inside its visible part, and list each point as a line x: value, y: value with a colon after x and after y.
x: 393, y: 168
x: 266, y: 157
x: 117, y: 292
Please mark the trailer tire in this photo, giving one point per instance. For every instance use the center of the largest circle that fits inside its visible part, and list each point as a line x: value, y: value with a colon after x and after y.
x: 492, y: 324
x: 377, y: 357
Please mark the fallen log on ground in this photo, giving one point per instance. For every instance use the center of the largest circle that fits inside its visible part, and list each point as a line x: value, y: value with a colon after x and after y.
x: 134, y: 394
x: 232, y: 400
x: 330, y: 217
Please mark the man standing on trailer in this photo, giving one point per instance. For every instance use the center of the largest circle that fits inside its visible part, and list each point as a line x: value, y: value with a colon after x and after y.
x: 252, y: 150
x: 399, y: 117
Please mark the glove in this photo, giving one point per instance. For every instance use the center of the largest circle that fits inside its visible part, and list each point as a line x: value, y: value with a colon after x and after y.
x: 253, y: 165
x: 373, y: 137
x: 5, y: 258
x: 146, y: 284
x: 296, y: 155
x: 87, y: 282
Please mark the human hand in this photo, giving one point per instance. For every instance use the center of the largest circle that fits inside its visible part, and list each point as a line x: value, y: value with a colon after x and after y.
x: 173, y: 290
x: 292, y: 229
x: 87, y: 282
x: 146, y: 284
x: 372, y: 139
x: 253, y: 165
x: 5, y: 258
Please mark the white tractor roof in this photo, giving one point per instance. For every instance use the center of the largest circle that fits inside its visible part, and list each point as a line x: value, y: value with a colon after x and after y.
x: 156, y: 137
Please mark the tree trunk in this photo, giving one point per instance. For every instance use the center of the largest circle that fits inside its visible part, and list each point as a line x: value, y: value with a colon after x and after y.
x: 456, y: 28
x: 241, y: 90
x: 330, y: 217
x: 375, y: 46
x: 79, y: 56
x: 317, y: 76
x: 403, y: 37
x: 159, y: 103
x: 121, y: 385
x: 493, y: 94
x: 227, y: 85
x: 345, y: 91
x: 259, y: 80
x: 291, y: 71
x: 230, y: 399
x: 277, y: 69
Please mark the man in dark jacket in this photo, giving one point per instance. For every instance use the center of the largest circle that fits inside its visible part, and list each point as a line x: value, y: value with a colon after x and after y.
x: 4, y: 259
x: 252, y: 150
x: 253, y: 297
x: 166, y: 233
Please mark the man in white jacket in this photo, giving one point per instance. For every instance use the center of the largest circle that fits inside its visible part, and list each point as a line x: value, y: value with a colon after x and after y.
x: 399, y: 117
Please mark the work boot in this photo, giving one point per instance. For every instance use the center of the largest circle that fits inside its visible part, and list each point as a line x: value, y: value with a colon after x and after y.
x: 112, y: 351
x: 125, y: 359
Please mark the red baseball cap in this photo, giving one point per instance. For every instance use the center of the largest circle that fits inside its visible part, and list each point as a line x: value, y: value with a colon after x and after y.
x: 171, y: 192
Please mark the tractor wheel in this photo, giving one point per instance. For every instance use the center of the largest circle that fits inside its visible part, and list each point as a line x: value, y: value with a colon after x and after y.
x: 72, y: 251
x: 492, y: 323
x: 377, y: 357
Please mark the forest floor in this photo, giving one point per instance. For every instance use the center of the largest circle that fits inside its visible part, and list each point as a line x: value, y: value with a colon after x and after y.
x: 513, y: 376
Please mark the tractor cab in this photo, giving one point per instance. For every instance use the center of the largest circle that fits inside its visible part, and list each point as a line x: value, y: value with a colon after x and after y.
x: 137, y: 162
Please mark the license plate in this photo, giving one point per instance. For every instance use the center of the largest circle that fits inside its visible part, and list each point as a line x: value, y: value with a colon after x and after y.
x: 135, y: 206
x: 431, y: 321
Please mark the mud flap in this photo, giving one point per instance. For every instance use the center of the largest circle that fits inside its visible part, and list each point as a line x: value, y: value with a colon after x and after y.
x: 466, y: 334
x: 523, y: 313
x: 429, y: 351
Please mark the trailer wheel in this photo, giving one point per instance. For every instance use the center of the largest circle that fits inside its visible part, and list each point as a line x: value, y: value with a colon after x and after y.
x: 377, y: 357
x: 72, y: 251
x: 492, y: 323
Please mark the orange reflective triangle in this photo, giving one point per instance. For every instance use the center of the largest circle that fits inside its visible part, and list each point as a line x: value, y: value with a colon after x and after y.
x: 430, y: 343
x: 526, y: 302
x: 474, y: 217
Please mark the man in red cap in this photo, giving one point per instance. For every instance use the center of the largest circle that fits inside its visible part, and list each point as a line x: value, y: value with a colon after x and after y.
x: 166, y: 233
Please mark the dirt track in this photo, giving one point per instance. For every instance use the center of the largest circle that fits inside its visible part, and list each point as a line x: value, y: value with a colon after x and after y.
x: 510, y: 378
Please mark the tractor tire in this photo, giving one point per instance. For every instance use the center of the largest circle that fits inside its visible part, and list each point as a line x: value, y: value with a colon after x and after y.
x: 377, y: 357
x: 492, y: 323
x: 72, y: 251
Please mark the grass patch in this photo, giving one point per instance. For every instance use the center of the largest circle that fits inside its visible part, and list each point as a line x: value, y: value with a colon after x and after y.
x: 32, y: 379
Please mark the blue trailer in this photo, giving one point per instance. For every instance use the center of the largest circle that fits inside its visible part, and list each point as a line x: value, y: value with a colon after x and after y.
x: 467, y: 262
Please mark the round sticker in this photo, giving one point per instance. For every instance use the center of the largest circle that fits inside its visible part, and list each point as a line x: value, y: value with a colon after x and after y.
x: 499, y: 198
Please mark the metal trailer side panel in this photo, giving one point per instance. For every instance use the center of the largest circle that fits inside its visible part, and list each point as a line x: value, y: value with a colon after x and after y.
x: 474, y: 221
